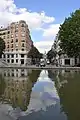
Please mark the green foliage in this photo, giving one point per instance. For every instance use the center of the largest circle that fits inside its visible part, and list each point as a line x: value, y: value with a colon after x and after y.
x: 2, y: 46
x: 69, y: 34
x: 51, y: 53
x: 2, y: 85
x: 34, y: 54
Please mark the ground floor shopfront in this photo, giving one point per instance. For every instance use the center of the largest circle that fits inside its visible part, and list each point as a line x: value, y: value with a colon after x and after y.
x: 18, y: 58
x: 67, y: 61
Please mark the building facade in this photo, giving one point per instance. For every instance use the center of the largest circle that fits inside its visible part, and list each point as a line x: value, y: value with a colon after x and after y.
x: 17, y: 43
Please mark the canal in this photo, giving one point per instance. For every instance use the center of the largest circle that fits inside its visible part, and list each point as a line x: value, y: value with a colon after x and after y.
x: 39, y: 94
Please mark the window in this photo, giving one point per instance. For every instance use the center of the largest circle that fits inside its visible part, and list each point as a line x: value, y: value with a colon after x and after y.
x: 67, y: 61
x: 22, y: 44
x: 12, y: 41
x: 22, y: 55
x: 16, y: 55
x: 12, y: 46
x: 16, y: 40
x: 12, y: 74
x: 16, y: 70
x: 8, y: 32
x: 16, y: 30
x: 12, y: 49
x: 4, y: 33
x: 12, y: 70
x: 22, y: 61
x: 8, y: 46
x: 22, y: 49
x: 22, y: 40
x: 12, y: 61
x: 12, y: 55
x: 8, y: 56
x: 8, y: 76
x: 0, y: 33
x: 23, y: 25
x: 17, y: 75
x: 16, y: 60
x: 16, y: 49
x: 8, y: 61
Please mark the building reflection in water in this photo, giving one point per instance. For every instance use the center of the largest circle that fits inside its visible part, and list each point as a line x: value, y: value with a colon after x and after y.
x: 68, y: 86
x: 17, y: 86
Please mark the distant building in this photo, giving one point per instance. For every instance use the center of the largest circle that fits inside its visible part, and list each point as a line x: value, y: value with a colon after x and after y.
x: 17, y: 42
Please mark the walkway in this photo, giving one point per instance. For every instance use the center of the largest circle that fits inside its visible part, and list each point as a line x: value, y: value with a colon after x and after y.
x: 46, y: 67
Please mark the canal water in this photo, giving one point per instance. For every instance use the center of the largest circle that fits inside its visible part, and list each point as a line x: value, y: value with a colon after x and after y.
x: 39, y: 94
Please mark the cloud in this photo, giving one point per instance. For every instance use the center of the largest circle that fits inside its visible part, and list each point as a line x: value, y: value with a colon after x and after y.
x: 9, y: 12
x: 48, y: 37
x: 44, y: 45
x: 51, y: 31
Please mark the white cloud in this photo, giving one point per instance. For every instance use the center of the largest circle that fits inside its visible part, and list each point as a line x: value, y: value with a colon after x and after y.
x: 48, y: 33
x: 44, y: 45
x: 51, y: 31
x: 10, y: 12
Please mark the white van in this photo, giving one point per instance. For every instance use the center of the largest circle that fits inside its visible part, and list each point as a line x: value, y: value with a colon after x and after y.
x: 42, y: 63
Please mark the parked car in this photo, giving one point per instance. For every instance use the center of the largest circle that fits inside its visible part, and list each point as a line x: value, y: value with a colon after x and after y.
x: 42, y: 64
x: 48, y: 62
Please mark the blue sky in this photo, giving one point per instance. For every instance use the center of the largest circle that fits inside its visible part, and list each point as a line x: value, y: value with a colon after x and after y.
x: 42, y: 16
x: 56, y: 8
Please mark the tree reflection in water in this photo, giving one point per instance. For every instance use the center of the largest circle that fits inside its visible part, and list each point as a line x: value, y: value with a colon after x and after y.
x: 68, y: 87
x: 2, y: 87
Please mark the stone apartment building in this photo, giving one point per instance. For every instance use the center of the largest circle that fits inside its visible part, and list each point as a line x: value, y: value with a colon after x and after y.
x: 17, y: 43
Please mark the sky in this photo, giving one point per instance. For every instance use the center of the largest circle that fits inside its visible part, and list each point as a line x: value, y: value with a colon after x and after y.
x: 42, y: 16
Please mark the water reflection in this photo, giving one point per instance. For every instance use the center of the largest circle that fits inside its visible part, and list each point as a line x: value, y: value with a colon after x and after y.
x: 44, y: 102
x: 68, y: 87
x: 38, y: 95
x: 15, y: 90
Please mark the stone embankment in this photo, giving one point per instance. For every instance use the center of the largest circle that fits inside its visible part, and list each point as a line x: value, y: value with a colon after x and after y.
x: 35, y: 67
x: 3, y: 64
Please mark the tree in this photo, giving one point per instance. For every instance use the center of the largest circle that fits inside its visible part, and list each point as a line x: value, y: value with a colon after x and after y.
x: 34, y: 54
x: 2, y: 46
x: 69, y: 35
x: 51, y: 53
